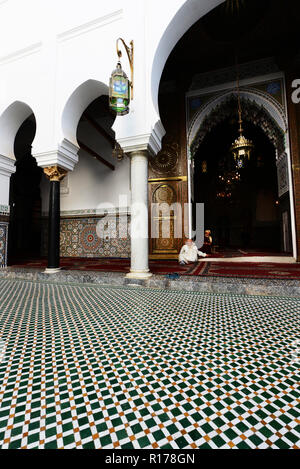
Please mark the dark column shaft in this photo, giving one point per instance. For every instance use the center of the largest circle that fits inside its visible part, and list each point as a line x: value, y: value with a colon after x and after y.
x: 54, y: 225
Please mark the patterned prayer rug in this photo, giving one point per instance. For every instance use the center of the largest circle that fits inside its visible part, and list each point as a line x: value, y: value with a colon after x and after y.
x: 249, y: 270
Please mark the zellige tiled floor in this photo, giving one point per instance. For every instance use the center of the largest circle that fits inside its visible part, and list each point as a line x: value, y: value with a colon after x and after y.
x: 118, y: 367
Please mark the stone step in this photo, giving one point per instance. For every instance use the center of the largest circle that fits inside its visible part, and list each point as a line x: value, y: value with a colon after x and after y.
x: 223, y: 285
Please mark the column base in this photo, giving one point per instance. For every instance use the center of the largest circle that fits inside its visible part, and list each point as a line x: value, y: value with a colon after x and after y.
x: 52, y: 271
x: 139, y: 275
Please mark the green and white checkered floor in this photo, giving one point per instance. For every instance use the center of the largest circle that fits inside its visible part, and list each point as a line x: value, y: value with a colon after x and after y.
x: 100, y: 367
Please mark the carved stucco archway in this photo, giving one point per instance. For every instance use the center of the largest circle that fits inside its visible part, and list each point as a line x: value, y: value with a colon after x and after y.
x: 258, y: 108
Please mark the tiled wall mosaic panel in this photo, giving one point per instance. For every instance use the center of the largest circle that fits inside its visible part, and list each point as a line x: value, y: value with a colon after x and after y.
x: 3, y: 244
x: 4, y: 210
x: 78, y: 238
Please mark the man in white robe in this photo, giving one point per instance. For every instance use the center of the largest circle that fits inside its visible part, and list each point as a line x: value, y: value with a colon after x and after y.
x: 189, y: 253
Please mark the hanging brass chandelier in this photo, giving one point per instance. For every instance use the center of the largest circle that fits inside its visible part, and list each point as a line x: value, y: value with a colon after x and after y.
x: 242, y: 148
x: 234, y: 5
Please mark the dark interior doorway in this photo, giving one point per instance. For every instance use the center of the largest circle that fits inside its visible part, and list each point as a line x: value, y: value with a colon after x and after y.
x: 246, y: 213
x: 25, y: 198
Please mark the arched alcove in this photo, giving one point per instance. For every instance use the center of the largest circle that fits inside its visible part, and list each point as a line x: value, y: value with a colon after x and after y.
x: 10, y: 122
x: 79, y: 100
x: 98, y: 183
x: 25, y: 199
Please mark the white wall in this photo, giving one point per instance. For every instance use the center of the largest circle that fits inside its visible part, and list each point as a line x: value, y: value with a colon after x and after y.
x: 92, y: 185
x: 49, y: 48
x: 7, y: 168
x: 4, y: 190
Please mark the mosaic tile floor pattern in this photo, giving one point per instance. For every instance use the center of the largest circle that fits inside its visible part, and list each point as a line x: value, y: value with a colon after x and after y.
x: 94, y: 367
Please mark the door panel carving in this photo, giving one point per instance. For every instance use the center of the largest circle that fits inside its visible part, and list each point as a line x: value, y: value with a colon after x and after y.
x: 165, y: 217
x: 168, y: 179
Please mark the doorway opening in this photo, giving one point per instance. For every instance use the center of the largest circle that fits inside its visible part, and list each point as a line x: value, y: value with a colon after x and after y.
x: 222, y: 38
x: 243, y: 209
x: 24, y: 240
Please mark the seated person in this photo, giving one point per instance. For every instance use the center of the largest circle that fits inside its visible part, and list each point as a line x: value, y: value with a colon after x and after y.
x: 189, y: 253
x: 207, y: 242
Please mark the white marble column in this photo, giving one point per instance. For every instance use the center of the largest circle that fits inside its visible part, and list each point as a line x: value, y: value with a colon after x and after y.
x: 139, y: 216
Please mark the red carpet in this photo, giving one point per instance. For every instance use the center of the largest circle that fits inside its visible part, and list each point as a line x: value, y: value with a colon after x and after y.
x: 110, y: 265
x: 230, y: 253
x: 210, y: 269
x: 250, y: 270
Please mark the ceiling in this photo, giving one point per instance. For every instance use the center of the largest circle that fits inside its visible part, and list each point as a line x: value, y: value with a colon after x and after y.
x: 261, y: 28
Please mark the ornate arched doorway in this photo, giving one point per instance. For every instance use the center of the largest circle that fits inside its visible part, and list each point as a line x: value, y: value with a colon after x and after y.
x: 254, y: 212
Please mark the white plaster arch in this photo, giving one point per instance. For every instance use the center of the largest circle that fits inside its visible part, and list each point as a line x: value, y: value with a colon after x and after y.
x: 65, y: 149
x: 10, y: 121
x: 261, y: 98
x: 77, y: 103
x: 188, y: 14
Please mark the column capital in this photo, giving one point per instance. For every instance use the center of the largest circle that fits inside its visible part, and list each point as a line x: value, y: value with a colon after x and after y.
x: 135, y: 153
x: 55, y: 173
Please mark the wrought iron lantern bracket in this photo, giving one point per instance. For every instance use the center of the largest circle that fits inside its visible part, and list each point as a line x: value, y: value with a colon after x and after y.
x: 130, y: 53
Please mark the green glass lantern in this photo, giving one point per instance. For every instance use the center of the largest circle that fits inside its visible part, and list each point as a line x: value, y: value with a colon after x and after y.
x: 120, y: 87
x: 119, y: 91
